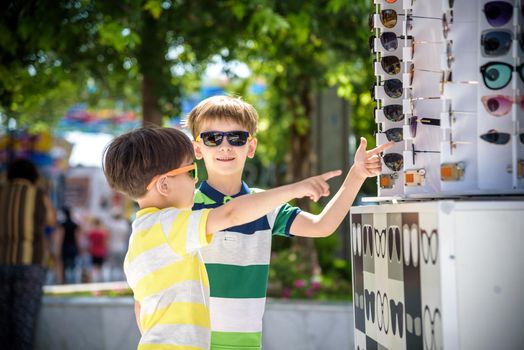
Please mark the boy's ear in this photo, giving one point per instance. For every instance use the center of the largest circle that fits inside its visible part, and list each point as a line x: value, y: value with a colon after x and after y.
x: 162, y: 186
x: 252, y: 148
x: 198, y: 150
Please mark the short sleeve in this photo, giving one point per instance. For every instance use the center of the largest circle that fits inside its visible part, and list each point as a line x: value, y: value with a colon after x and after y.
x: 285, y: 217
x: 189, y: 231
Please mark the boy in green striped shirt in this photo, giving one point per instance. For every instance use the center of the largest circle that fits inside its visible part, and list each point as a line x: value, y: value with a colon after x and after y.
x: 237, y: 261
x: 154, y: 166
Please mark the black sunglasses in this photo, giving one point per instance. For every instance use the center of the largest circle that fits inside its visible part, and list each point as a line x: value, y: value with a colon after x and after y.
x: 394, y: 134
x: 499, y: 138
x: 393, y: 113
x: 498, y: 13
x: 496, y: 42
x: 215, y: 138
x: 393, y: 161
x: 393, y: 88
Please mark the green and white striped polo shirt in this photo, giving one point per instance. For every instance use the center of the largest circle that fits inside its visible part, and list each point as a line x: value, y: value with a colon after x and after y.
x: 237, y: 263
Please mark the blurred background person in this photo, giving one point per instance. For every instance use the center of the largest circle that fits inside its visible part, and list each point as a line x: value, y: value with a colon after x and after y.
x: 69, y: 238
x: 25, y: 210
x: 119, y: 231
x: 97, y: 237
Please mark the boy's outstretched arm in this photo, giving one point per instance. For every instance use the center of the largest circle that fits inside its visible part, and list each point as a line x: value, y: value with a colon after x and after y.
x: 250, y: 207
x: 366, y: 164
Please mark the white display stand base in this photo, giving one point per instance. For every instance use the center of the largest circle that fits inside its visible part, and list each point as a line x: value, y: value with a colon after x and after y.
x: 445, y: 274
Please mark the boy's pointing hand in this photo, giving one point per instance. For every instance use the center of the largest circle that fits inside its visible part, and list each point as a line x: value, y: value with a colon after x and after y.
x: 316, y: 186
x: 368, y: 163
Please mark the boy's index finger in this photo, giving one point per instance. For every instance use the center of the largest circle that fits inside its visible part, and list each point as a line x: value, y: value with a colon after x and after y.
x: 330, y: 174
x: 381, y: 148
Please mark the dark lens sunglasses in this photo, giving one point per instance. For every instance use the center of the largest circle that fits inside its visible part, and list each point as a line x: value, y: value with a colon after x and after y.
x: 393, y: 88
x: 393, y: 113
x: 413, y: 122
x: 497, y: 75
x: 496, y: 42
x: 394, y: 134
x: 390, y: 64
x: 389, y: 41
x: 393, y: 161
x: 215, y: 138
x: 498, y: 13
x: 499, y: 138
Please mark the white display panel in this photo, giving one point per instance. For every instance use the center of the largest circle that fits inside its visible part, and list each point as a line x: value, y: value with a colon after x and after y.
x: 438, y: 275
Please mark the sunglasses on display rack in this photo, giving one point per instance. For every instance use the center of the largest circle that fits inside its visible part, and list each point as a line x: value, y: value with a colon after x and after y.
x: 388, y: 40
x: 392, y: 88
x: 192, y: 170
x: 497, y: 75
x: 394, y: 134
x: 393, y: 113
x: 499, y: 138
x: 499, y: 105
x: 394, y: 161
x: 447, y: 21
x: 414, y: 121
x: 390, y: 64
x: 414, y: 151
x: 215, y: 138
x: 498, y: 13
x: 389, y: 19
x: 496, y: 42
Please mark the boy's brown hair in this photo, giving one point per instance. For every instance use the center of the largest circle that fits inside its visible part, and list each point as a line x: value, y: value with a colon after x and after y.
x: 131, y: 160
x: 222, y: 108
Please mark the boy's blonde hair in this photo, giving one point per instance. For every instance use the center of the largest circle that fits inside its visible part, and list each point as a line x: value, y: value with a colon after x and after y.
x: 222, y: 108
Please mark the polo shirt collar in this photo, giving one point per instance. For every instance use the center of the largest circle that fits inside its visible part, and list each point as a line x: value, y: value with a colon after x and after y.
x: 218, y: 196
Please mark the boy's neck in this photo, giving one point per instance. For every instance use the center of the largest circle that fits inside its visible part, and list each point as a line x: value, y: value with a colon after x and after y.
x: 226, y: 184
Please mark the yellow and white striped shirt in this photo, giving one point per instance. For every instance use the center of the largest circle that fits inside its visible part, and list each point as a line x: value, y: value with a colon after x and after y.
x: 164, y: 268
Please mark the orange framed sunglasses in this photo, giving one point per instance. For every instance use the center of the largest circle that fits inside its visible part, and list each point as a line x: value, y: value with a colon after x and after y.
x: 191, y: 169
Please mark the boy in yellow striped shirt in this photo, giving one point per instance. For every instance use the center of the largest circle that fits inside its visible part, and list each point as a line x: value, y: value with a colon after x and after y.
x: 163, y: 266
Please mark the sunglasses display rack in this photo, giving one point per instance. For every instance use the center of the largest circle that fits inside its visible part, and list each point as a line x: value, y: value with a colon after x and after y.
x: 440, y: 267
x: 449, y: 93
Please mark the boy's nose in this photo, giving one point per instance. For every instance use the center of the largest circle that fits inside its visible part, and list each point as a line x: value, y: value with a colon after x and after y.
x: 225, y: 144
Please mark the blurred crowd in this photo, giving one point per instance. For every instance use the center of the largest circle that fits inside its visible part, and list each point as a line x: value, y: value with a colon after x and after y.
x: 86, y: 249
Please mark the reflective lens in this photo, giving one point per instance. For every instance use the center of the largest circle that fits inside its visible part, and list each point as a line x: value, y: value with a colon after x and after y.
x: 498, y: 13
x: 497, y: 106
x: 389, y: 41
x: 521, y: 137
x: 498, y: 138
x: 393, y: 113
x: 394, y: 134
x: 391, y: 64
x: 393, y: 161
x: 393, y: 88
x: 215, y: 138
x: 496, y: 42
x: 496, y: 75
x: 388, y: 18
x: 520, y: 70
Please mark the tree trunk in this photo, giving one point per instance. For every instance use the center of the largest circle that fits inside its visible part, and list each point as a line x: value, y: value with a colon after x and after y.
x: 150, y: 108
x: 152, y: 65
x: 301, y: 162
